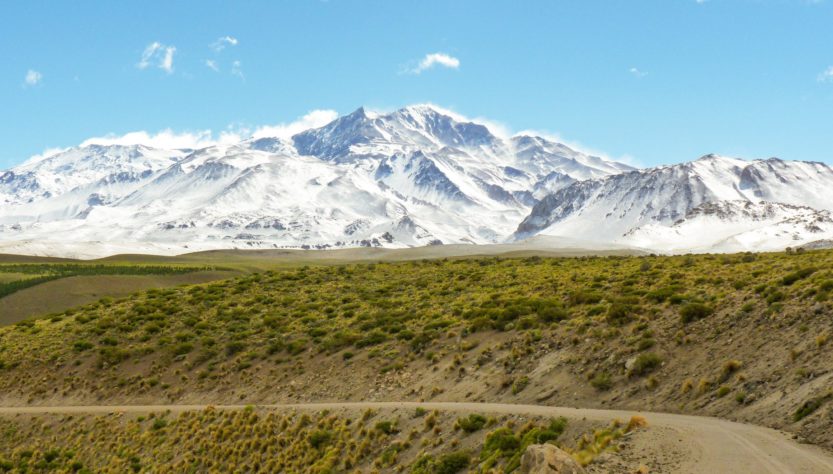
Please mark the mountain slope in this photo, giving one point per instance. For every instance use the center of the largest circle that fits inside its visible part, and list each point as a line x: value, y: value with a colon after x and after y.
x: 631, y: 207
x: 415, y: 176
x: 730, y: 226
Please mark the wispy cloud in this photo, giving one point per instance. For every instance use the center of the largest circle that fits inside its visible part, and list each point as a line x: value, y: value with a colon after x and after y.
x: 32, y: 78
x: 637, y: 73
x: 222, y: 42
x: 218, y: 46
x: 434, y: 59
x: 158, y: 54
x: 826, y: 75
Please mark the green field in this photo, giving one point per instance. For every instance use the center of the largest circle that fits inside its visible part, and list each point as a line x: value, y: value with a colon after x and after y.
x: 34, y: 289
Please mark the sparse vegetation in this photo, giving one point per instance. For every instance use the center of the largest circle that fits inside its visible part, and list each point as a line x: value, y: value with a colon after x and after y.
x: 671, y: 334
x: 262, y: 440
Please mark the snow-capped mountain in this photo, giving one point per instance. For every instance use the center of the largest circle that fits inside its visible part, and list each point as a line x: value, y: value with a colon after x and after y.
x: 416, y: 176
x: 97, y: 166
x: 714, y: 203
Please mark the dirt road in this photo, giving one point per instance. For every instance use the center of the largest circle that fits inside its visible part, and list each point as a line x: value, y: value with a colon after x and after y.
x: 698, y: 445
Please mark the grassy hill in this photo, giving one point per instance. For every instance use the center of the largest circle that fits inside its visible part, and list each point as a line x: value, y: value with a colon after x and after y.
x: 741, y: 336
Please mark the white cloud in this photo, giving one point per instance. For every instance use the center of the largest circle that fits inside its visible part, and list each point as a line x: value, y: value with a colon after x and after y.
x: 555, y: 137
x: 167, y: 63
x: 435, y: 59
x: 159, y: 54
x: 237, y: 70
x: 222, y: 42
x: 314, y: 119
x: 637, y: 73
x: 169, y: 139
x: 164, y: 139
x: 826, y: 75
x: 148, y: 54
x: 32, y: 78
x: 46, y: 154
x: 212, y: 64
x: 496, y: 128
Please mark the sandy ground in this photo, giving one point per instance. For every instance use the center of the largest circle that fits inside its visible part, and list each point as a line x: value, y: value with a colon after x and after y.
x: 674, y: 443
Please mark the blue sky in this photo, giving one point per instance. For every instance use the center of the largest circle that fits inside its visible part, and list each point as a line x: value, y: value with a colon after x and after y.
x: 659, y: 81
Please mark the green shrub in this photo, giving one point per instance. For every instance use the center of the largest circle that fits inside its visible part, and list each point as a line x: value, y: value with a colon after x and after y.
x: 235, y: 347
x: 319, y: 438
x: 472, y: 423
x: 452, y: 463
x: 387, y: 427
x: 601, y: 381
x: 807, y: 408
x: 159, y: 424
x: 112, y: 355
x: 373, y: 338
x: 449, y: 463
x: 582, y: 297
x: 619, y: 313
x: 645, y: 344
x: 183, y: 348
x: 662, y: 294
x: 501, y: 439
x: 694, y: 311
x: 81, y: 346
x: 519, y: 384
x: 795, y: 276
x: 645, y: 364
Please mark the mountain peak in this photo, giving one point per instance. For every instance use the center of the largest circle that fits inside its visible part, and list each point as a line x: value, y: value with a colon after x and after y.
x: 421, y: 126
x: 359, y: 113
